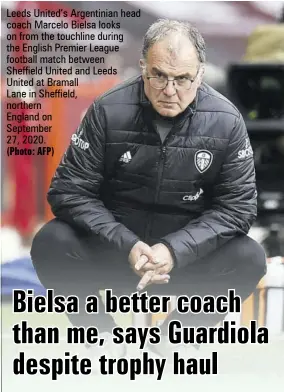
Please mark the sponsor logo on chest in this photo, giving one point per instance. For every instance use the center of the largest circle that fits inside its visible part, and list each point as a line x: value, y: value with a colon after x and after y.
x: 126, y: 157
x: 193, y: 197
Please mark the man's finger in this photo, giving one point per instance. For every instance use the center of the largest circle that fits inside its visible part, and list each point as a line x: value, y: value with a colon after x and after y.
x: 147, y: 267
x: 150, y: 267
x: 159, y: 279
x: 146, y: 278
x: 142, y: 261
x: 148, y: 251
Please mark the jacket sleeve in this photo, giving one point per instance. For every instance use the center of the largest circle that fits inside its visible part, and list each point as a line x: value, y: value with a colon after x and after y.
x: 74, y: 194
x: 233, y: 207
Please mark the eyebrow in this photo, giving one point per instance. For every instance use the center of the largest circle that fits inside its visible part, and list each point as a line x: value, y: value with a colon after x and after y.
x: 187, y: 75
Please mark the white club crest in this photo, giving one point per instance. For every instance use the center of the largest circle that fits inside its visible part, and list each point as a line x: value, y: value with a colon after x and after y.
x: 203, y: 160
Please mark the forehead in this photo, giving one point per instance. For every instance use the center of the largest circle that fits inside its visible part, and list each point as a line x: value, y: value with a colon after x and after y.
x: 174, y: 54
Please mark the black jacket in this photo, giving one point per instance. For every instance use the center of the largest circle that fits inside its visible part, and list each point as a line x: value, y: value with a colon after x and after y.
x: 193, y: 193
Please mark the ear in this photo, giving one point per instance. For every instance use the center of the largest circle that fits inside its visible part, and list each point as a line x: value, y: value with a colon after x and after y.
x: 200, y: 75
x: 142, y: 67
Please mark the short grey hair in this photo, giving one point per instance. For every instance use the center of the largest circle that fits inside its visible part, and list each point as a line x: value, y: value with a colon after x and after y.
x: 164, y: 27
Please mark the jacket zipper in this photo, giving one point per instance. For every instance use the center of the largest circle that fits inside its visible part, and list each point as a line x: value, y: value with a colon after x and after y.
x: 163, y: 150
x: 160, y: 174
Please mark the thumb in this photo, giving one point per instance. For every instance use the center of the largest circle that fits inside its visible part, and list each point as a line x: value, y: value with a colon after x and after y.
x: 148, y: 251
x: 143, y: 260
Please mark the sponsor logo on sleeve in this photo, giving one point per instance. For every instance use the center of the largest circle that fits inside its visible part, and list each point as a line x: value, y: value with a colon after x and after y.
x: 78, y: 141
x: 247, y: 152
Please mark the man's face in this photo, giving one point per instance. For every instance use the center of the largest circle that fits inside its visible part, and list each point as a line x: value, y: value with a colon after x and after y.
x: 175, y: 56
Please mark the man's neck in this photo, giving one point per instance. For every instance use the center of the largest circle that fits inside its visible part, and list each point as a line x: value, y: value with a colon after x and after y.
x: 164, y: 118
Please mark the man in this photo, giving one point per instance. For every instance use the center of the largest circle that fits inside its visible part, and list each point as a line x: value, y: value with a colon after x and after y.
x: 157, y: 189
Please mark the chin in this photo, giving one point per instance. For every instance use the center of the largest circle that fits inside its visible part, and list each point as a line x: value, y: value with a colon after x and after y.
x: 168, y: 112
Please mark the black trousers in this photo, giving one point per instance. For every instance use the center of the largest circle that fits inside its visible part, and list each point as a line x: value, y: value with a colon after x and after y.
x: 73, y: 263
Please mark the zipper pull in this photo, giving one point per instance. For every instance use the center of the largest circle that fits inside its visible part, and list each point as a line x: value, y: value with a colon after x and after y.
x: 163, y: 152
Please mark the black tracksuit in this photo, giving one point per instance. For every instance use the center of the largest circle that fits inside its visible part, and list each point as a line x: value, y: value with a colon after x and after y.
x: 117, y: 183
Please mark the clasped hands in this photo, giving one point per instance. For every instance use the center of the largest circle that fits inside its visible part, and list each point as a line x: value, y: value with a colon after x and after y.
x: 151, y: 264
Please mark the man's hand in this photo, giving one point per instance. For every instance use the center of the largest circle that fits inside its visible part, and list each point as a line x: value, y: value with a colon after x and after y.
x: 142, y: 253
x: 159, y: 273
x: 163, y: 260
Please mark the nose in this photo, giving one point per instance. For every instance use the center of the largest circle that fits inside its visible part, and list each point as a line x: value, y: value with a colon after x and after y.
x: 170, y: 89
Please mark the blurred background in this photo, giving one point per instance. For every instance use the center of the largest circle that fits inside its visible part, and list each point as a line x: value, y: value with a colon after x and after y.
x: 245, y: 54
